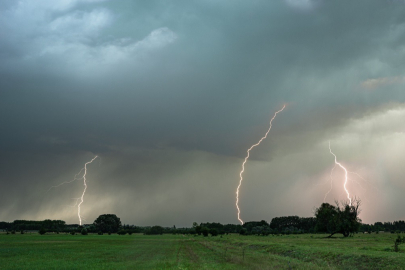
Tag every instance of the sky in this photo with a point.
(170, 95)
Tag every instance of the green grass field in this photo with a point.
(61, 251)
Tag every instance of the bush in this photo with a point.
(109, 233)
(397, 242)
(72, 232)
(42, 231)
(100, 233)
(22, 231)
(84, 231)
(122, 232)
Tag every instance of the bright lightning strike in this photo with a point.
(246, 158)
(81, 199)
(346, 178)
(85, 187)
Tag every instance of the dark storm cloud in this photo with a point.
(145, 78)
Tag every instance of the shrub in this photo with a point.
(100, 233)
(72, 232)
(396, 247)
(22, 231)
(122, 232)
(84, 231)
(12, 232)
(397, 242)
(42, 231)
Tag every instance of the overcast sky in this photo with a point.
(171, 94)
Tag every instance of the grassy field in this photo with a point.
(61, 251)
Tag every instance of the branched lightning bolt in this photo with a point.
(85, 187)
(346, 178)
(68, 182)
(76, 201)
(331, 183)
(78, 204)
(246, 158)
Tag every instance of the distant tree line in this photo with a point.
(294, 224)
(340, 218)
(396, 226)
(33, 225)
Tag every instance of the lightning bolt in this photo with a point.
(246, 158)
(346, 178)
(331, 183)
(85, 187)
(78, 204)
(68, 182)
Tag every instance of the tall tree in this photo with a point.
(107, 223)
(338, 219)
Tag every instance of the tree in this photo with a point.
(154, 230)
(205, 231)
(326, 218)
(198, 230)
(335, 219)
(213, 232)
(107, 223)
